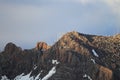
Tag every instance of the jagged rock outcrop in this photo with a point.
(14, 60)
(11, 48)
(75, 56)
(42, 46)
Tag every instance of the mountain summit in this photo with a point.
(75, 56)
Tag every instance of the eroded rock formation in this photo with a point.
(42, 46)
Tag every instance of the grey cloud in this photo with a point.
(27, 23)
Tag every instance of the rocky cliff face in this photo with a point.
(75, 56)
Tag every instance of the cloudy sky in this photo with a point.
(25, 22)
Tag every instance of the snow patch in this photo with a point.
(35, 67)
(95, 53)
(86, 76)
(93, 61)
(4, 78)
(55, 62)
(19, 77)
(24, 77)
(51, 72)
(37, 77)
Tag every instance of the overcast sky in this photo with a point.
(25, 22)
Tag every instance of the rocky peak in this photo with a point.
(117, 36)
(75, 41)
(73, 36)
(42, 46)
(10, 48)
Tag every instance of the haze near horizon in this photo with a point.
(26, 22)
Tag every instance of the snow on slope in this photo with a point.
(19, 76)
(27, 77)
(4, 78)
(37, 77)
(87, 76)
(51, 72)
(24, 77)
(95, 54)
(93, 61)
(55, 62)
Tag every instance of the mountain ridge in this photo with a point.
(75, 56)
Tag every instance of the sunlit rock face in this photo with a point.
(42, 46)
(75, 56)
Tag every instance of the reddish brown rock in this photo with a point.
(104, 74)
(42, 46)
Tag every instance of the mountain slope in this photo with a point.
(75, 56)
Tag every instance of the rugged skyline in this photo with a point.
(75, 56)
(25, 22)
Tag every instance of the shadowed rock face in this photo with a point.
(11, 48)
(14, 61)
(78, 57)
